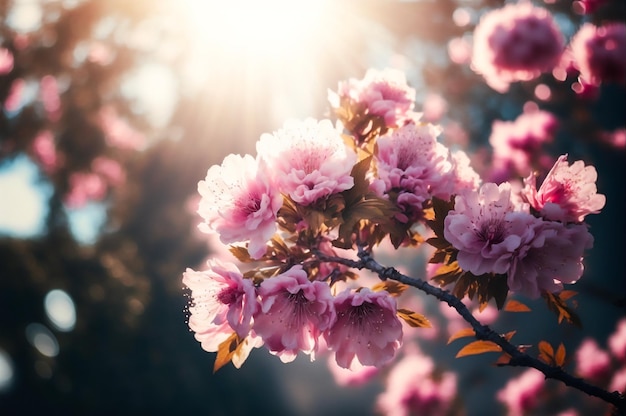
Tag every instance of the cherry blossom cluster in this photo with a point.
(318, 190)
(520, 41)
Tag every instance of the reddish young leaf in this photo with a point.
(478, 347)
(502, 360)
(557, 304)
(461, 333)
(414, 319)
(546, 352)
(516, 306)
(559, 357)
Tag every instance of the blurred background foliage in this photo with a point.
(163, 88)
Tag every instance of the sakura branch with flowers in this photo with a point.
(305, 217)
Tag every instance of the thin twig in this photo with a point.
(482, 332)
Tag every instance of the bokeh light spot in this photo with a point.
(60, 310)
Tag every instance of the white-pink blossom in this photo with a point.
(520, 394)
(568, 193)
(592, 362)
(222, 302)
(384, 93)
(487, 228)
(600, 53)
(553, 257)
(367, 329)
(517, 42)
(309, 160)
(6, 61)
(240, 203)
(413, 390)
(293, 314)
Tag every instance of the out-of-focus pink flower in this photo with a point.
(44, 150)
(84, 187)
(6, 61)
(618, 382)
(14, 100)
(384, 93)
(412, 390)
(600, 53)
(587, 6)
(520, 394)
(517, 145)
(487, 230)
(355, 376)
(309, 159)
(110, 169)
(239, 203)
(553, 257)
(568, 193)
(294, 312)
(516, 43)
(455, 134)
(367, 329)
(435, 107)
(119, 133)
(222, 302)
(411, 161)
(460, 51)
(49, 95)
(592, 362)
(617, 341)
(464, 177)
(616, 138)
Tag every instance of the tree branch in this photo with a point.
(482, 332)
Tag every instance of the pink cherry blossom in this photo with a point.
(84, 187)
(617, 341)
(6, 61)
(464, 177)
(600, 53)
(460, 51)
(222, 302)
(592, 362)
(293, 314)
(367, 329)
(309, 159)
(411, 162)
(44, 150)
(515, 43)
(553, 257)
(357, 375)
(435, 107)
(568, 193)
(487, 229)
(239, 203)
(383, 92)
(15, 97)
(517, 145)
(49, 95)
(520, 394)
(412, 390)
(587, 6)
(118, 132)
(109, 169)
(618, 382)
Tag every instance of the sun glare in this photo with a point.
(248, 27)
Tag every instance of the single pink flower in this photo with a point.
(222, 302)
(84, 187)
(49, 95)
(109, 169)
(554, 256)
(618, 382)
(520, 394)
(487, 228)
(516, 43)
(568, 193)
(44, 150)
(592, 362)
(293, 314)
(383, 92)
(239, 203)
(412, 390)
(617, 341)
(367, 329)
(6, 61)
(309, 160)
(600, 53)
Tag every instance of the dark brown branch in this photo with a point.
(482, 332)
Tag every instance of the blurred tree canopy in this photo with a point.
(76, 73)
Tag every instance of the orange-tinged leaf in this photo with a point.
(241, 253)
(557, 303)
(461, 333)
(509, 335)
(414, 319)
(546, 352)
(516, 306)
(504, 359)
(566, 294)
(478, 347)
(559, 357)
(391, 286)
(225, 351)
